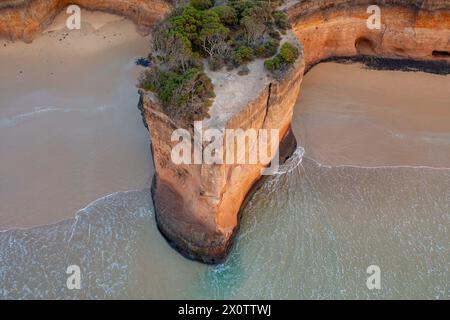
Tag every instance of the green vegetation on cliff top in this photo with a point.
(230, 34)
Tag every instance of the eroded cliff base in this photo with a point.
(191, 238)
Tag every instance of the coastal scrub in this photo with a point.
(230, 34)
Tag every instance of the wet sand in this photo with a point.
(70, 130)
(348, 115)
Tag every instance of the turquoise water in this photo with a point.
(310, 233)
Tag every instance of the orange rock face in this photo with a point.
(197, 205)
(25, 19)
(406, 31)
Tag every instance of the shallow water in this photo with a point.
(310, 232)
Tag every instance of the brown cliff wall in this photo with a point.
(197, 206)
(25, 19)
(410, 29)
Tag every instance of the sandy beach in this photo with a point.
(348, 115)
(70, 131)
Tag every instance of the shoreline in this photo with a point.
(350, 115)
(390, 64)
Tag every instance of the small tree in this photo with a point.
(188, 23)
(173, 48)
(254, 29)
(227, 15)
(281, 20)
(213, 34)
(288, 53)
(243, 55)
(201, 4)
(191, 96)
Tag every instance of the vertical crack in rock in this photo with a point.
(267, 105)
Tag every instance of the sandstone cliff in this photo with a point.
(198, 205)
(410, 29)
(25, 19)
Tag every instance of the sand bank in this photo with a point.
(70, 131)
(348, 115)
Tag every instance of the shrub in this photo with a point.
(227, 15)
(201, 4)
(243, 55)
(274, 34)
(289, 53)
(271, 47)
(281, 20)
(273, 64)
(268, 49)
(215, 63)
(184, 96)
(260, 51)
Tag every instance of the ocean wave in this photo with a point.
(14, 120)
(292, 163)
(101, 239)
(329, 166)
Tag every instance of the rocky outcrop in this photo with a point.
(25, 19)
(198, 205)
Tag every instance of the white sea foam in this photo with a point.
(292, 163)
(100, 239)
(37, 111)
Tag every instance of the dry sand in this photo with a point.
(347, 115)
(70, 131)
